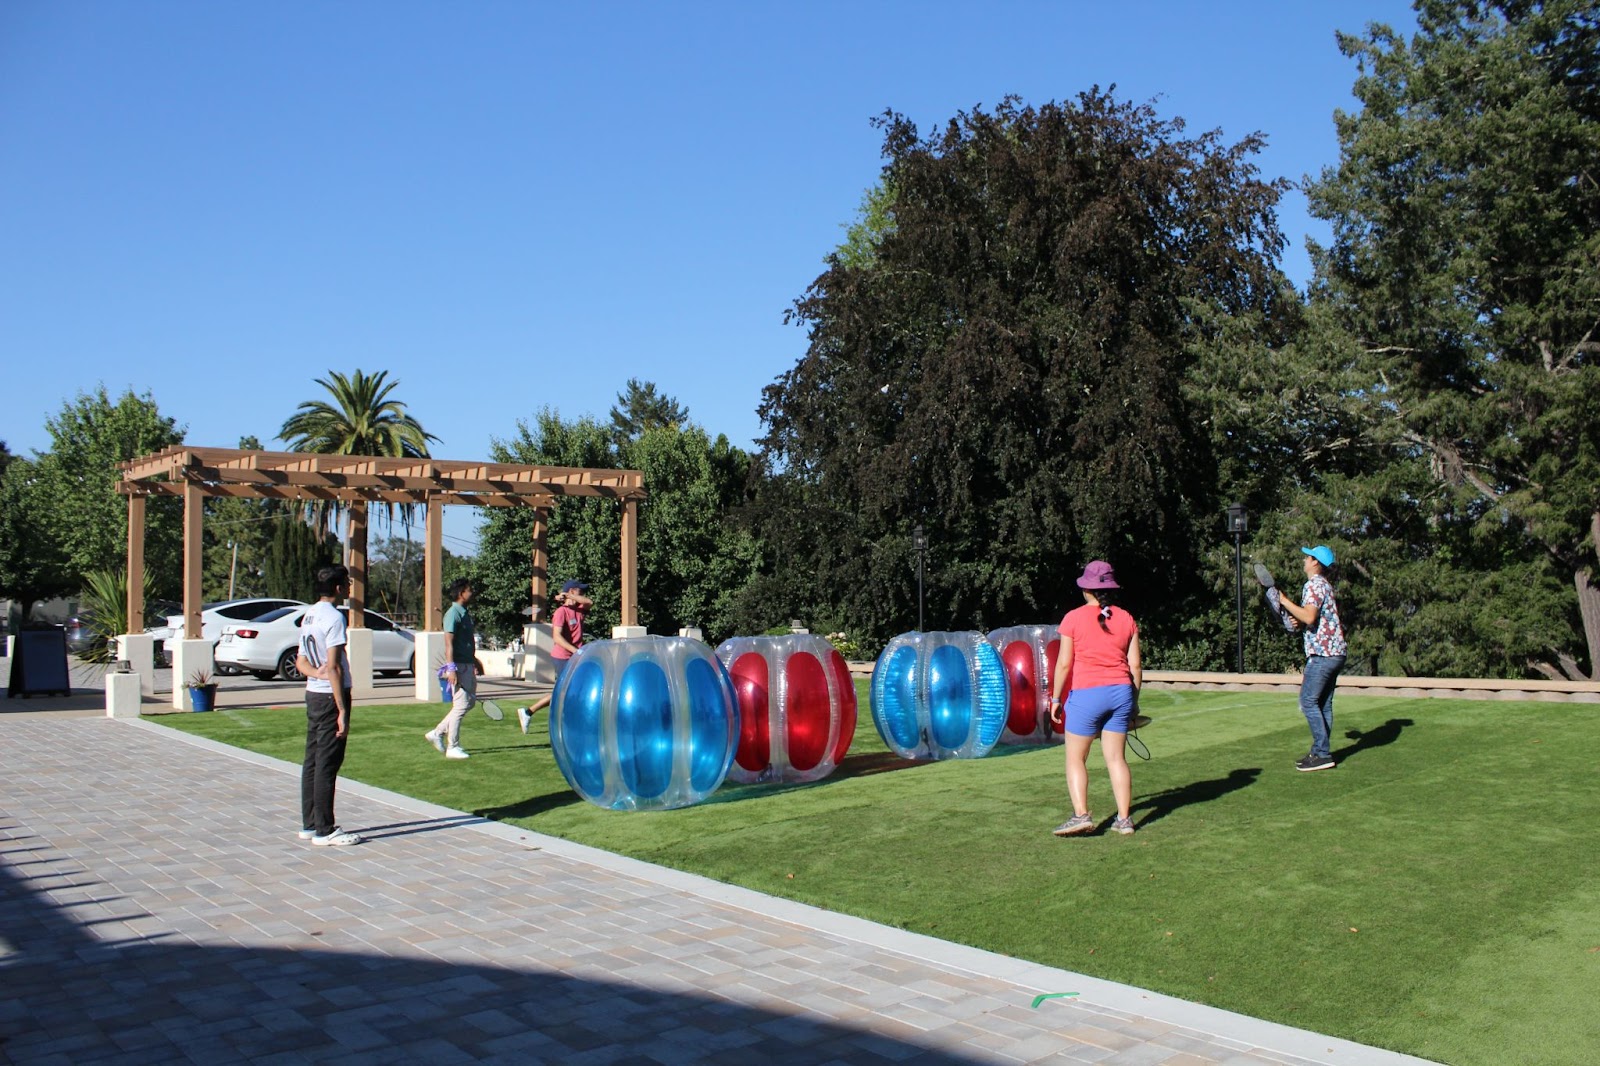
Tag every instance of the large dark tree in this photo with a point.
(998, 355)
(1466, 257)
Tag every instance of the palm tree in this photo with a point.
(361, 420)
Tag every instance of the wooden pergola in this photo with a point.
(354, 482)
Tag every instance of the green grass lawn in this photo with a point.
(1435, 894)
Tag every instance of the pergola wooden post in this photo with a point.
(193, 561)
(360, 481)
(539, 565)
(432, 566)
(135, 564)
(358, 564)
(630, 562)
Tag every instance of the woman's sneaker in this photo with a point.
(1078, 823)
(1123, 826)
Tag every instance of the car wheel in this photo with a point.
(286, 666)
(388, 673)
(263, 675)
(411, 666)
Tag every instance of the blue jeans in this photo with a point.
(1316, 698)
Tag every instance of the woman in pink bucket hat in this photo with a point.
(1098, 665)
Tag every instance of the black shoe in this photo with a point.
(1315, 762)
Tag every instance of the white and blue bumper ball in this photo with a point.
(939, 696)
(648, 723)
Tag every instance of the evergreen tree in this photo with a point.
(640, 407)
(1466, 259)
(295, 555)
(1000, 358)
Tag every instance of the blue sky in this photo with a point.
(517, 205)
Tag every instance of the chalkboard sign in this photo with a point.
(39, 664)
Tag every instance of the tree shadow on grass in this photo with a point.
(1161, 804)
(1387, 733)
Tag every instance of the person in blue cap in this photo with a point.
(1325, 646)
(566, 630)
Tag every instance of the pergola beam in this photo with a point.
(232, 466)
(309, 492)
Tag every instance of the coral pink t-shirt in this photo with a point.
(569, 623)
(1099, 657)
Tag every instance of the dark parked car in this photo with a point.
(81, 637)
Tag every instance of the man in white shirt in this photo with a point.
(327, 670)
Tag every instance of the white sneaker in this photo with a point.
(336, 839)
(436, 740)
(456, 753)
(524, 716)
(307, 834)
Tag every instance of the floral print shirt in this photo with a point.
(1327, 636)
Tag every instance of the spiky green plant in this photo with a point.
(103, 603)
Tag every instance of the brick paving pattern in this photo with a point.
(156, 906)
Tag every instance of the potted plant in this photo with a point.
(202, 691)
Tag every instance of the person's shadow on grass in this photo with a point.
(1161, 804)
(1387, 733)
(531, 807)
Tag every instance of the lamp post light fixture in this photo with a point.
(1238, 525)
(919, 544)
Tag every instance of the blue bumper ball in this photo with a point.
(648, 723)
(939, 696)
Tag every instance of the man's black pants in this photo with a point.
(324, 756)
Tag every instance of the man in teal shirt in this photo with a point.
(459, 671)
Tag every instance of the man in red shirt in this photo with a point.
(566, 628)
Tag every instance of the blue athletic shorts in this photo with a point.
(1089, 710)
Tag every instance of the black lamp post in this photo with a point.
(1238, 525)
(919, 544)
